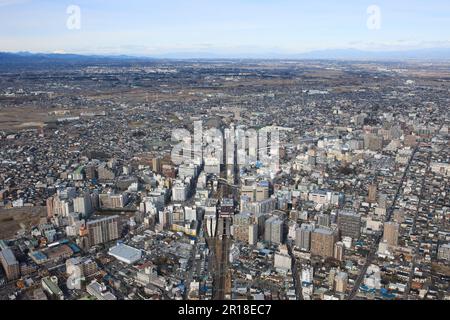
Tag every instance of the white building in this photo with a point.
(179, 192)
(307, 274)
(282, 260)
(125, 253)
(99, 291)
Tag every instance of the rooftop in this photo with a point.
(125, 253)
(8, 256)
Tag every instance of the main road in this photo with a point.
(296, 277)
(375, 244)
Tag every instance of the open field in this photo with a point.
(22, 118)
(15, 219)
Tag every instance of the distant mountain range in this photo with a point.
(339, 54)
(336, 54)
(37, 58)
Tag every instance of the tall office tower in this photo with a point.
(103, 230)
(349, 224)
(268, 228)
(156, 165)
(165, 218)
(324, 220)
(253, 234)
(211, 224)
(303, 236)
(58, 207)
(339, 251)
(211, 215)
(10, 264)
(391, 232)
(83, 204)
(322, 242)
(179, 192)
(372, 196)
(190, 213)
(331, 278)
(341, 280)
(274, 230)
(277, 234)
(241, 224)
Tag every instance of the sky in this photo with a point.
(147, 27)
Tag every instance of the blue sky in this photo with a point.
(236, 26)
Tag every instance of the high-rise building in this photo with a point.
(391, 233)
(331, 278)
(253, 234)
(165, 218)
(303, 236)
(56, 206)
(103, 230)
(10, 264)
(83, 204)
(322, 242)
(179, 192)
(349, 224)
(156, 165)
(339, 251)
(274, 230)
(211, 215)
(341, 280)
